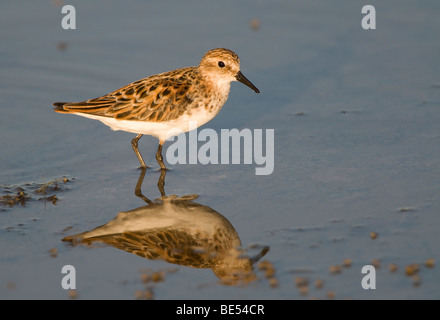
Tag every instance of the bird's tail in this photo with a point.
(59, 107)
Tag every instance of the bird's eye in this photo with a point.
(221, 64)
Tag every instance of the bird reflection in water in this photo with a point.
(179, 231)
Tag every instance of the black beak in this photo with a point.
(240, 77)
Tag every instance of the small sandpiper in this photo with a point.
(166, 104)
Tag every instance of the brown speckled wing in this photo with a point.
(177, 247)
(161, 97)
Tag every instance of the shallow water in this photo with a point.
(356, 119)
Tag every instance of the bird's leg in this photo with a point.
(160, 185)
(138, 191)
(161, 182)
(159, 157)
(134, 144)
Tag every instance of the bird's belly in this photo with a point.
(160, 130)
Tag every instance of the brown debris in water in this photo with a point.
(13, 195)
